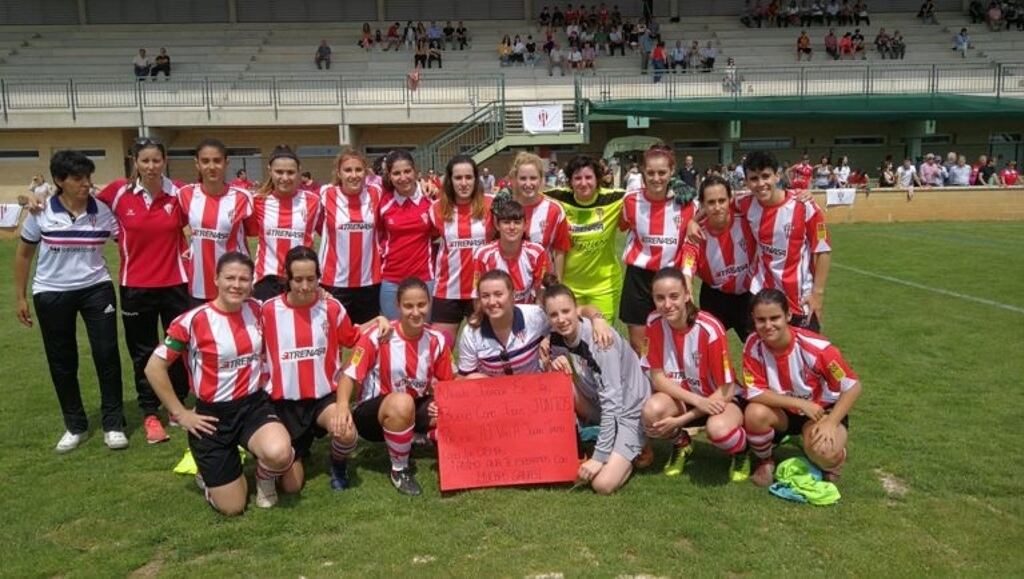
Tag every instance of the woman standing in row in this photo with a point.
(544, 218)
(525, 261)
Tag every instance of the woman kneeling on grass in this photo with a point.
(797, 383)
(609, 389)
(396, 374)
(222, 344)
(688, 357)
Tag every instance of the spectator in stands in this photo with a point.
(421, 31)
(634, 179)
(1009, 175)
(931, 172)
(556, 58)
(994, 16)
(731, 81)
(976, 11)
(366, 40)
(461, 35)
(518, 51)
(1012, 14)
(545, 17)
(976, 168)
(616, 41)
(887, 176)
(557, 18)
(860, 12)
(845, 13)
(818, 12)
(987, 175)
(40, 189)
(962, 42)
(677, 56)
(449, 35)
(897, 47)
(927, 12)
(409, 35)
(882, 40)
(791, 16)
(575, 57)
(142, 65)
(419, 58)
(487, 180)
(832, 12)
(841, 172)
(959, 173)
(949, 164)
(435, 36)
(800, 174)
(505, 51)
(323, 55)
(162, 63)
(434, 55)
(689, 174)
(846, 46)
(531, 50)
(771, 13)
(832, 44)
(659, 60)
(858, 44)
(749, 16)
(823, 177)
(906, 175)
(647, 44)
(589, 55)
(708, 54)
(392, 41)
(803, 46)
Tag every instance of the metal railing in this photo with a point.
(468, 137)
(853, 79)
(233, 92)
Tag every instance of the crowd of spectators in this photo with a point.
(808, 13)
(997, 15)
(954, 171)
(409, 37)
(144, 67)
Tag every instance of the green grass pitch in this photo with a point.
(933, 485)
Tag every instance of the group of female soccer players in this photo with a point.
(519, 282)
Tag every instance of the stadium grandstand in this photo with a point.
(244, 71)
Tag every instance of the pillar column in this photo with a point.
(730, 133)
(233, 11)
(83, 14)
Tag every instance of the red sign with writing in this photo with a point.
(513, 430)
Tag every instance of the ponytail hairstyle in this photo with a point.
(235, 257)
(711, 182)
(346, 154)
(446, 202)
(673, 273)
(661, 150)
(300, 253)
(555, 289)
(210, 143)
(522, 159)
(389, 162)
(770, 296)
(141, 144)
(279, 152)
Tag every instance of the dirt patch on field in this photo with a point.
(151, 569)
(893, 486)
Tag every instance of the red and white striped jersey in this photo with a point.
(303, 346)
(788, 235)
(217, 228)
(349, 256)
(527, 268)
(223, 350)
(698, 358)
(655, 229)
(724, 260)
(545, 224)
(399, 364)
(811, 368)
(461, 237)
(280, 223)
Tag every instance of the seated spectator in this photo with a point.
(322, 56)
(603, 15)
(435, 36)
(557, 18)
(803, 46)
(927, 12)
(987, 175)
(818, 12)
(1012, 15)
(1009, 175)
(693, 55)
(433, 55)
(831, 12)
(419, 58)
(708, 54)
(897, 48)
(976, 11)
(832, 44)
(959, 173)
(616, 41)
(994, 16)
(678, 56)
(461, 35)
(589, 55)
(449, 35)
(601, 38)
(575, 58)
(845, 13)
(962, 42)
(586, 34)
(392, 40)
(906, 175)
(771, 13)
(555, 58)
(841, 172)
(518, 51)
(572, 32)
(366, 41)
(531, 50)
(858, 44)
(545, 17)
(791, 17)
(882, 40)
(846, 46)
(505, 51)
(823, 177)
(162, 63)
(887, 177)
(750, 16)
(142, 64)
(860, 12)
(409, 35)
(616, 15)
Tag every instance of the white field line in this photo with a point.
(929, 288)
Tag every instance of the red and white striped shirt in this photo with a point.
(217, 228)
(527, 268)
(655, 229)
(545, 224)
(399, 364)
(811, 368)
(724, 260)
(698, 358)
(461, 237)
(349, 256)
(223, 350)
(280, 223)
(405, 236)
(303, 346)
(788, 235)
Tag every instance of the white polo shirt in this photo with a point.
(71, 249)
(480, 351)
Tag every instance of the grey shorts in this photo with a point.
(629, 437)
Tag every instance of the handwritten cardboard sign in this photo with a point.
(513, 430)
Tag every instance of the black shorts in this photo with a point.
(361, 303)
(299, 417)
(702, 421)
(636, 302)
(797, 422)
(445, 311)
(270, 286)
(216, 454)
(804, 50)
(730, 309)
(365, 417)
(806, 322)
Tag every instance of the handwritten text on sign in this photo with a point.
(511, 430)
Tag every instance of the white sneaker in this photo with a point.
(115, 440)
(69, 442)
(266, 493)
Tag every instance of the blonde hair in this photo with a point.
(279, 152)
(344, 155)
(522, 159)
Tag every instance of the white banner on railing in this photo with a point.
(844, 196)
(542, 119)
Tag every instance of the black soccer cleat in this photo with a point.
(405, 482)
